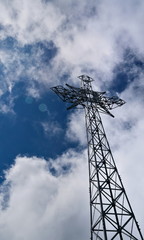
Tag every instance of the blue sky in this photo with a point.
(43, 155)
(22, 131)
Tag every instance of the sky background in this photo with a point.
(43, 155)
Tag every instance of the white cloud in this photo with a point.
(51, 128)
(43, 206)
(30, 21)
(98, 42)
(76, 127)
(89, 36)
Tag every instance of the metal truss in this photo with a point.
(111, 214)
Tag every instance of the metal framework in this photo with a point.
(111, 215)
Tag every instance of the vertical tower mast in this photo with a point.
(111, 215)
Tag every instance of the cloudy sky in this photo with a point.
(43, 156)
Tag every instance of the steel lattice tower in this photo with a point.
(111, 215)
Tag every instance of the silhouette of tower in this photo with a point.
(111, 215)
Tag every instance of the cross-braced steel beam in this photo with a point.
(111, 214)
